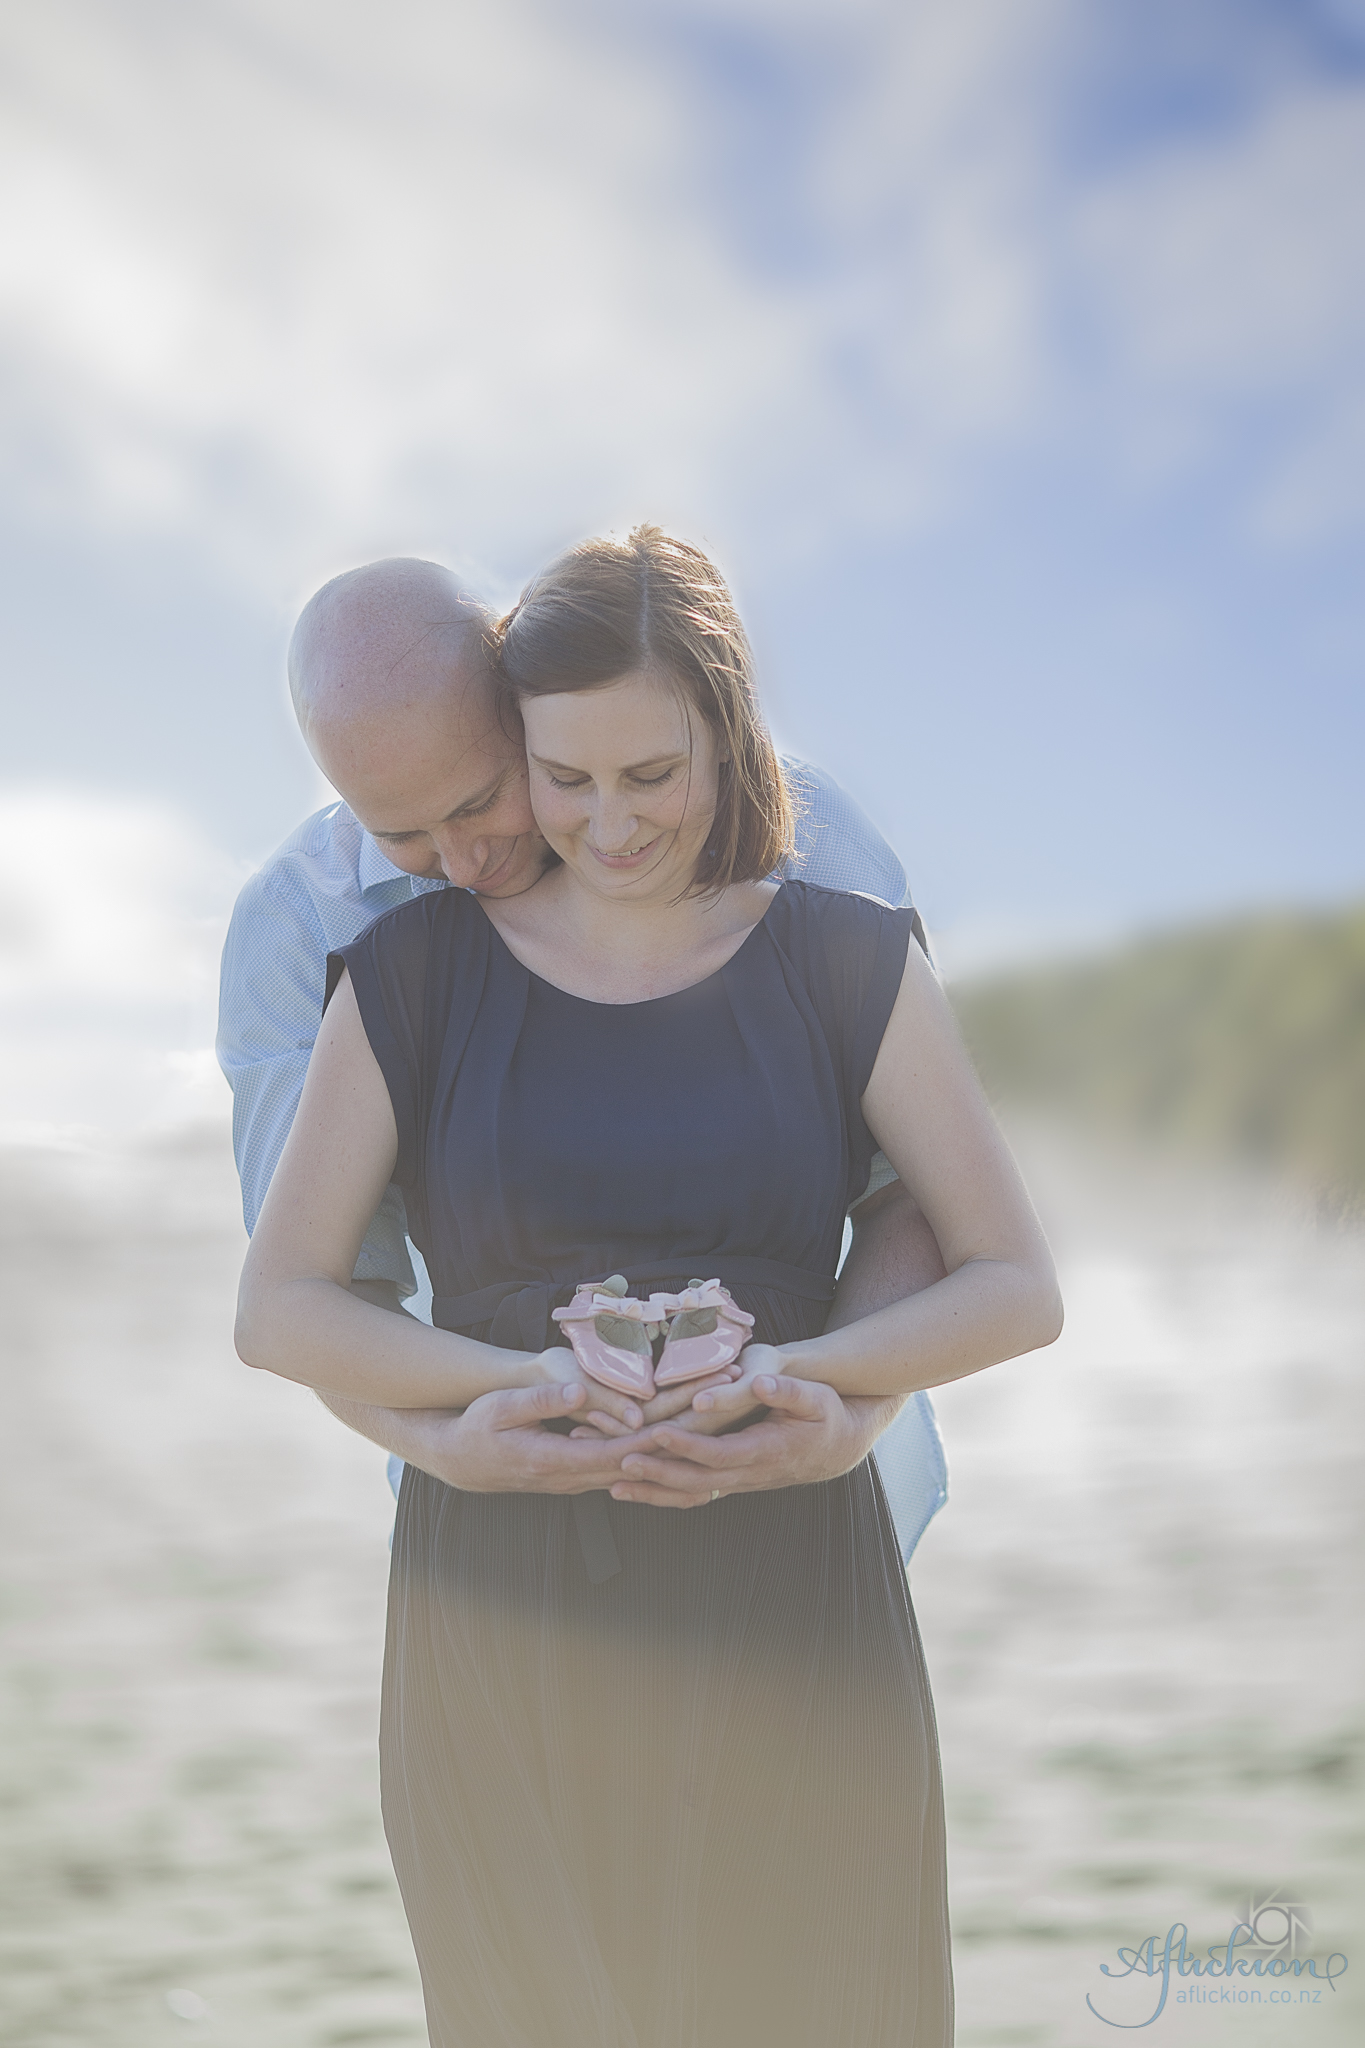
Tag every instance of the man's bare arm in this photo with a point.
(894, 1253)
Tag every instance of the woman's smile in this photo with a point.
(628, 858)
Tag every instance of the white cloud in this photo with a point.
(340, 272)
(1231, 276)
(938, 175)
(1241, 260)
(333, 280)
(364, 261)
(112, 918)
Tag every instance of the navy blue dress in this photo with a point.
(651, 1779)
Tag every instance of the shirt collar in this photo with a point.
(376, 871)
(375, 868)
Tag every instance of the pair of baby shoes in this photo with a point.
(613, 1335)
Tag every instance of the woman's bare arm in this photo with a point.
(296, 1314)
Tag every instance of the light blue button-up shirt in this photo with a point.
(326, 884)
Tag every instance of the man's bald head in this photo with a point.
(380, 640)
(398, 707)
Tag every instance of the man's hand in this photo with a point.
(498, 1445)
(809, 1434)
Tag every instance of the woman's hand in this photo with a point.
(718, 1403)
(661, 1407)
(671, 1401)
(610, 1414)
(676, 1402)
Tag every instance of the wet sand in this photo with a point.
(1140, 1609)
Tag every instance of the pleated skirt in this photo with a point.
(696, 1805)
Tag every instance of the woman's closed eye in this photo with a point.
(640, 781)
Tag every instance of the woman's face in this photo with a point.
(623, 785)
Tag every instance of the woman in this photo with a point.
(651, 1780)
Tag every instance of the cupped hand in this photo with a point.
(663, 1406)
(500, 1445)
(806, 1435)
(611, 1414)
(671, 1402)
(718, 1408)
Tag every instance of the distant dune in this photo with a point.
(1245, 1038)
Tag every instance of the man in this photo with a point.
(397, 705)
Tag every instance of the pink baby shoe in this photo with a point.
(707, 1333)
(612, 1335)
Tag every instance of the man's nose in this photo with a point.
(463, 855)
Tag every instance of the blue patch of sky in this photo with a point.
(137, 665)
(758, 101)
(1144, 75)
(1126, 79)
(1069, 708)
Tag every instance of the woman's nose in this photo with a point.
(614, 826)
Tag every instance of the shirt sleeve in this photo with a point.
(269, 1010)
(837, 844)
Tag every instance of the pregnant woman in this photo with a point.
(650, 1779)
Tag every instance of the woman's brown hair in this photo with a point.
(609, 609)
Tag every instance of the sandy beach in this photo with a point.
(1140, 1610)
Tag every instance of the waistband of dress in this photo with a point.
(519, 1310)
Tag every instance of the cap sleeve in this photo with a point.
(850, 951)
(864, 944)
(388, 966)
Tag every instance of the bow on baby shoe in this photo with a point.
(707, 1332)
(613, 1334)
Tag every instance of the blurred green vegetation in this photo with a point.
(1243, 1039)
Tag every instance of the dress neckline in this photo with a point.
(645, 1002)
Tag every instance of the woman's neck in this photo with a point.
(611, 950)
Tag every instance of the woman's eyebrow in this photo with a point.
(634, 767)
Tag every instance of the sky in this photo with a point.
(1008, 354)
